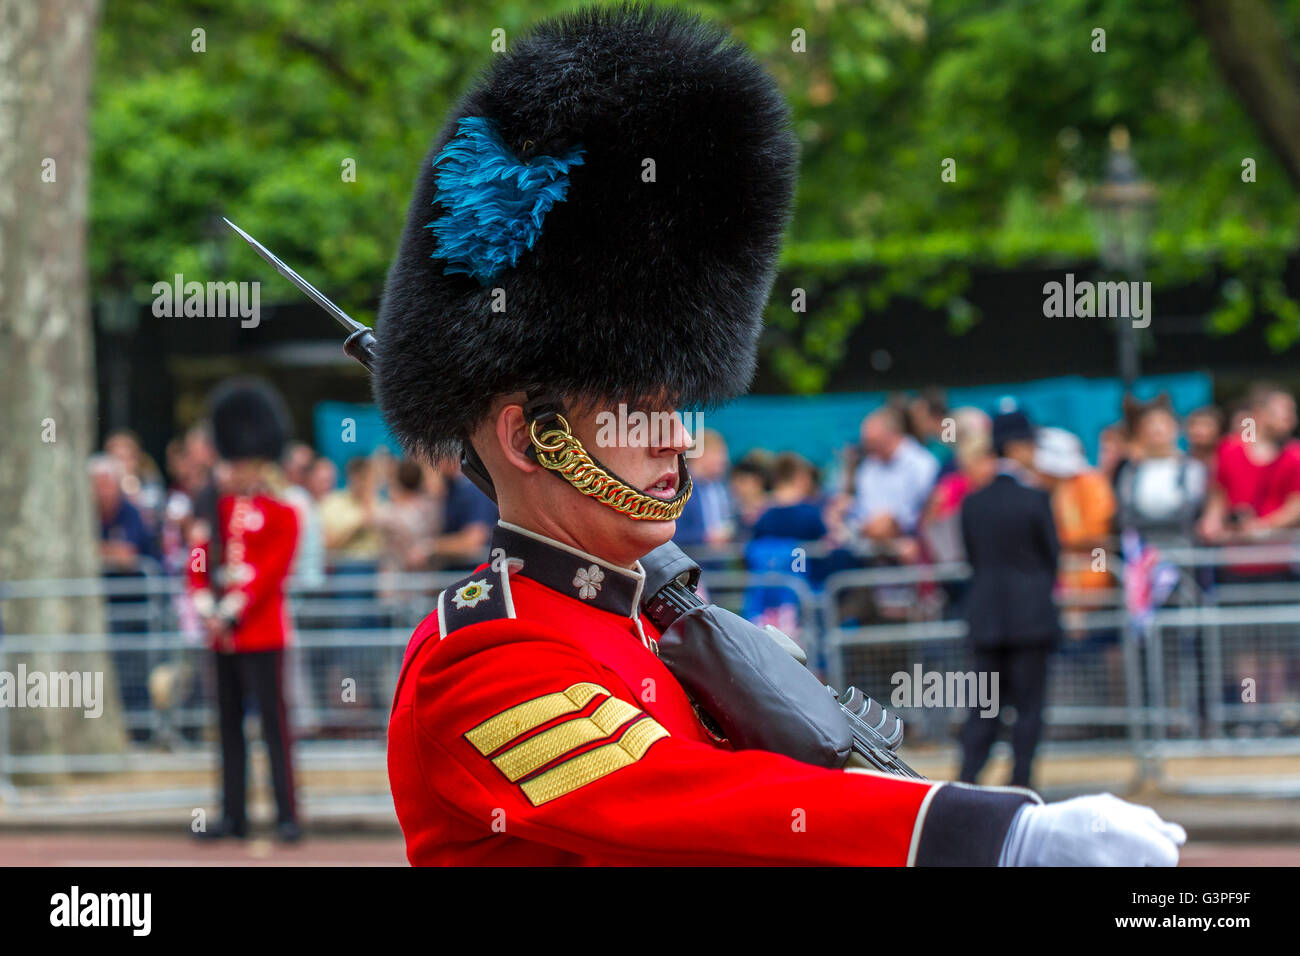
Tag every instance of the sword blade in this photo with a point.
(345, 320)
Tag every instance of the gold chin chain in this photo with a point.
(560, 452)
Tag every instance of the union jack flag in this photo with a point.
(1148, 580)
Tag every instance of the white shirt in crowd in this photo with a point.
(1164, 489)
(309, 556)
(898, 487)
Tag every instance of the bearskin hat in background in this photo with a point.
(623, 176)
(249, 420)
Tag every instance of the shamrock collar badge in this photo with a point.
(587, 581)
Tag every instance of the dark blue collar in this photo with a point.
(577, 574)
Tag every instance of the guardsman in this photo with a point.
(237, 574)
(591, 241)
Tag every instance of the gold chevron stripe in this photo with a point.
(594, 764)
(559, 740)
(496, 732)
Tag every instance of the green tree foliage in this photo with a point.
(259, 125)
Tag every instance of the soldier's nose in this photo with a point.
(675, 438)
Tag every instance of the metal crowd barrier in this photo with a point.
(349, 636)
(1217, 670)
(1213, 672)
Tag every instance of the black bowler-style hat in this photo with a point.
(1011, 426)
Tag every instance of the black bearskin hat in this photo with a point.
(616, 185)
(249, 420)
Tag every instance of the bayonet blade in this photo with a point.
(360, 342)
(345, 320)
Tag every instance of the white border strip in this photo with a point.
(505, 589)
(920, 823)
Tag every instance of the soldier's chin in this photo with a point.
(616, 537)
(650, 534)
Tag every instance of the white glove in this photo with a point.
(1097, 830)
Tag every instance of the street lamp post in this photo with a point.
(1122, 211)
(1122, 215)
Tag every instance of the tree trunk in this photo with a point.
(1251, 51)
(47, 397)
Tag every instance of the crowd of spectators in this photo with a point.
(389, 514)
(1217, 476)
(894, 496)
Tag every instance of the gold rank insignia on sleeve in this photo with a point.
(569, 748)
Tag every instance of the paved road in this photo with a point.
(1240, 854)
(150, 849)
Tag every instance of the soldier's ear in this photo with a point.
(512, 437)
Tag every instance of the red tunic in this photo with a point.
(542, 729)
(258, 536)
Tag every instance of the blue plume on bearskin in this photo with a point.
(492, 204)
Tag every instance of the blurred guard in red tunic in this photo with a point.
(589, 248)
(237, 577)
